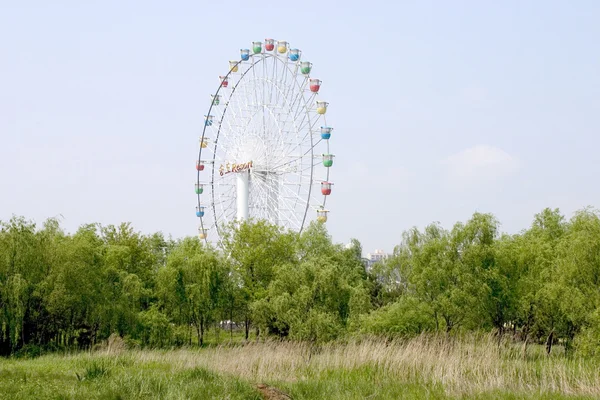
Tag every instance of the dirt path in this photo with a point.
(271, 393)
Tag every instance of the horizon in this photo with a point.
(365, 251)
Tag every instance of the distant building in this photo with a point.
(375, 257)
(378, 255)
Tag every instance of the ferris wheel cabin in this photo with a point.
(315, 85)
(322, 215)
(269, 44)
(326, 132)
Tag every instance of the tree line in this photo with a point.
(60, 290)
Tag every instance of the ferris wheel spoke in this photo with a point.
(308, 103)
(277, 124)
(307, 135)
(297, 154)
(299, 128)
(226, 208)
(288, 70)
(273, 74)
(259, 186)
(231, 105)
(311, 166)
(295, 78)
(300, 95)
(256, 97)
(284, 211)
(306, 120)
(265, 190)
(293, 160)
(280, 79)
(285, 186)
(224, 199)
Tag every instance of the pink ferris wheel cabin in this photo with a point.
(315, 85)
(269, 44)
(326, 188)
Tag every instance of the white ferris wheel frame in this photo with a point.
(266, 131)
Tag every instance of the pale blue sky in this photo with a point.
(440, 108)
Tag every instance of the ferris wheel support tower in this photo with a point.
(243, 194)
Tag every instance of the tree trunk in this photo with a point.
(570, 337)
(500, 334)
(217, 332)
(22, 333)
(231, 322)
(549, 342)
(247, 327)
(449, 324)
(201, 338)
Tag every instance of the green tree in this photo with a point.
(192, 285)
(21, 270)
(317, 298)
(537, 290)
(256, 250)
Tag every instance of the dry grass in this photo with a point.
(467, 366)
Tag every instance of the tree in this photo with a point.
(537, 290)
(191, 286)
(577, 274)
(256, 250)
(438, 278)
(21, 269)
(316, 298)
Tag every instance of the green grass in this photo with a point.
(422, 368)
(101, 377)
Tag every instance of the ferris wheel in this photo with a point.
(264, 151)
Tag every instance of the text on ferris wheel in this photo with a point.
(227, 168)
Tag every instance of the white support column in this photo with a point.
(242, 195)
(274, 197)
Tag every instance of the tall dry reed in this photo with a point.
(472, 364)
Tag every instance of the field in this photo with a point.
(420, 368)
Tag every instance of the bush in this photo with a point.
(157, 330)
(587, 343)
(317, 326)
(405, 317)
(29, 351)
(94, 369)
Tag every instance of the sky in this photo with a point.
(440, 109)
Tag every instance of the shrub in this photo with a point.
(405, 317)
(587, 342)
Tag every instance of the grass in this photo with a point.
(121, 377)
(424, 367)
